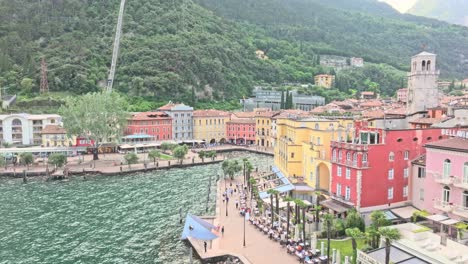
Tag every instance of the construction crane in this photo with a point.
(115, 52)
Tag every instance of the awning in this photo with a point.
(126, 146)
(307, 202)
(437, 217)
(389, 215)
(449, 221)
(198, 228)
(334, 205)
(404, 212)
(138, 136)
(303, 188)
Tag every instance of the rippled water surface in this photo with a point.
(118, 219)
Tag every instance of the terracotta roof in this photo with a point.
(367, 93)
(421, 160)
(167, 107)
(53, 129)
(430, 121)
(403, 90)
(210, 113)
(241, 121)
(150, 116)
(267, 114)
(371, 104)
(243, 115)
(452, 143)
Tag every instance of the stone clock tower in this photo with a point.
(422, 83)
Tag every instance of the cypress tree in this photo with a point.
(282, 100)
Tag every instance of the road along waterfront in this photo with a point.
(105, 219)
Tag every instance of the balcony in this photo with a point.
(460, 211)
(443, 206)
(460, 183)
(439, 178)
(350, 146)
(341, 199)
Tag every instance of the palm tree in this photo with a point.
(288, 199)
(390, 235)
(354, 233)
(379, 220)
(303, 206)
(371, 235)
(317, 210)
(271, 192)
(329, 221)
(154, 154)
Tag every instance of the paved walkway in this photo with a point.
(259, 248)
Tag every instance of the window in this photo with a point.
(317, 126)
(355, 157)
(340, 155)
(405, 191)
(446, 195)
(447, 168)
(348, 173)
(406, 172)
(390, 193)
(338, 189)
(421, 172)
(391, 156)
(292, 154)
(338, 171)
(318, 141)
(334, 155)
(390, 174)
(348, 156)
(406, 157)
(348, 193)
(364, 157)
(465, 172)
(421, 194)
(465, 199)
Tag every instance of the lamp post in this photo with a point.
(245, 214)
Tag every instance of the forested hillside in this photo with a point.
(453, 11)
(365, 28)
(205, 49)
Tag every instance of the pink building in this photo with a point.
(445, 189)
(402, 95)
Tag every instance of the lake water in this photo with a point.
(105, 219)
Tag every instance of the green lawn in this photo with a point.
(166, 157)
(345, 247)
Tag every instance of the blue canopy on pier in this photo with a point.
(198, 228)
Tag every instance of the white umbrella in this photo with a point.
(346, 260)
(338, 257)
(296, 232)
(313, 242)
(322, 249)
(334, 256)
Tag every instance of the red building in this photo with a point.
(372, 168)
(241, 131)
(155, 124)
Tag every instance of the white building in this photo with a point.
(25, 129)
(182, 120)
(422, 83)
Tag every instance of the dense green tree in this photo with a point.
(131, 158)
(99, 117)
(180, 152)
(26, 158)
(57, 159)
(154, 155)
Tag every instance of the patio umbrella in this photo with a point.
(338, 257)
(322, 249)
(296, 232)
(313, 242)
(346, 260)
(334, 256)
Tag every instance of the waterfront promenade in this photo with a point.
(259, 248)
(112, 164)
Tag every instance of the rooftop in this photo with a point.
(241, 121)
(53, 129)
(150, 116)
(457, 143)
(210, 113)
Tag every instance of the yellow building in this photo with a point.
(302, 149)
(56, 136)
(210, 125)
(264, 126)
(324, 80)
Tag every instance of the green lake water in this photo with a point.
(105, 219)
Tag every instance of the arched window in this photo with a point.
(364, 157)
(340, 155)
(391, 156)
(465, 172)
(465, 200)
(348, 156)
(428, 66)
(334, 155)
(355, 157)
(447, 168)
(446, 195)
(317, 126)
(423, 65)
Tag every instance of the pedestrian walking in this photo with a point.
(227, 199)
(205, 244)
(222, 231)
(237, 204)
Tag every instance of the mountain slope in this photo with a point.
(453, 11)
(389, 38)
